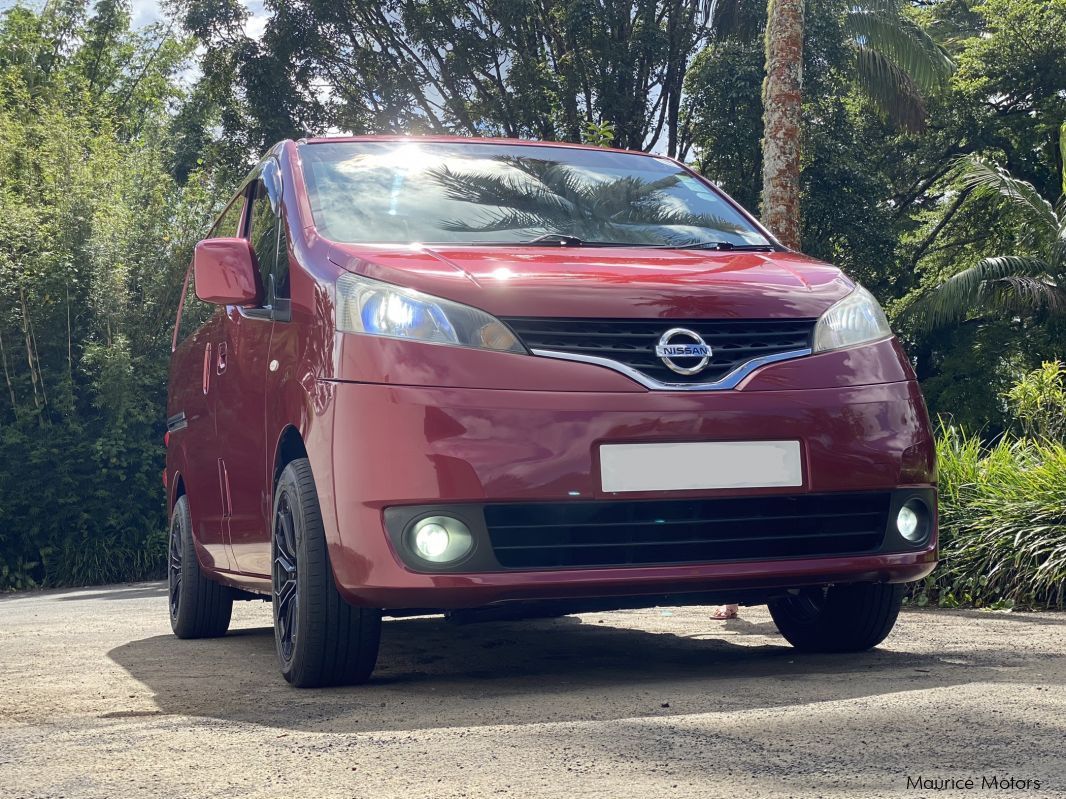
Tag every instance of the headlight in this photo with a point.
(382, 309)
(856, 319)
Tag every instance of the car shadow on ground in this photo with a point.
(435, 674)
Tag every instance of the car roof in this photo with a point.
(471, 140)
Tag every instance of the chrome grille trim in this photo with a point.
(731, 380)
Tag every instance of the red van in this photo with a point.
(497, 378)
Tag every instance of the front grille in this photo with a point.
(632, 342)
(618, 533)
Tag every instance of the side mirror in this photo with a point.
(225, 272)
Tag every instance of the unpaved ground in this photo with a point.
(97, 699)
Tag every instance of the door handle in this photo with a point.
(207, 367)
(221, 366)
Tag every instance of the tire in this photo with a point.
(320, 638)
(199, 607)
(842, 618)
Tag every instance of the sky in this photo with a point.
(145, 12)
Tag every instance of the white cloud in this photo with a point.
(144, 12)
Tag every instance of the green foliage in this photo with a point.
(1038, 401)
(723, 122)
(95, 234)
(600, 134)
(1026, 282)
(518, 68)
(1002, 523)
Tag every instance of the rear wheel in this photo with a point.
(320, 638)
(199, 607)
(841, 618)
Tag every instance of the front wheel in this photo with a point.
(841, 618)
(320, 638)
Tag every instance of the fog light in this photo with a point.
(441, 539)
(431, 541)
(912, 521)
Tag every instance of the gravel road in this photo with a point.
(99, 700)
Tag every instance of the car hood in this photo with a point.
(630, 282)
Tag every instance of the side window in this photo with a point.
(264, 236)
(194, 311)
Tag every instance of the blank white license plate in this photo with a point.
(700, 465)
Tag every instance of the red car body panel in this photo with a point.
(490, 445)
(389, 422)
(630, 282)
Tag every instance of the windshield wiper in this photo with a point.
(719, 245)
(548, 239)
(563, 240)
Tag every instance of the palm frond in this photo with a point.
(1027, 294)
(503, 220)
(983, 175)
(502, 191)
(558, 178)
(889, 88)
(1005, 283)
(665, 217)
(881, 27)
(544, 195)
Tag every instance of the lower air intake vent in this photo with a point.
(614, 533)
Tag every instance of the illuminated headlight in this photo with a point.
(382, 309)
(856, 319)
(913, 521)
(440, 539)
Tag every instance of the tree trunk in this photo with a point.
(7, 379)
(782, 109)
(27, 334)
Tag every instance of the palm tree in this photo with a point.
(894, 62)
(546, 196)
(782, 103)
(1004, 284)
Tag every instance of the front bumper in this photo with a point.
(397, 446)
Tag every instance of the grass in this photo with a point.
(1002, 523)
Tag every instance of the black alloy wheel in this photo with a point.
(174, 568)
(199, 607)
(285, 583)
(320, 638)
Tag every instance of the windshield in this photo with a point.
(464, 193)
